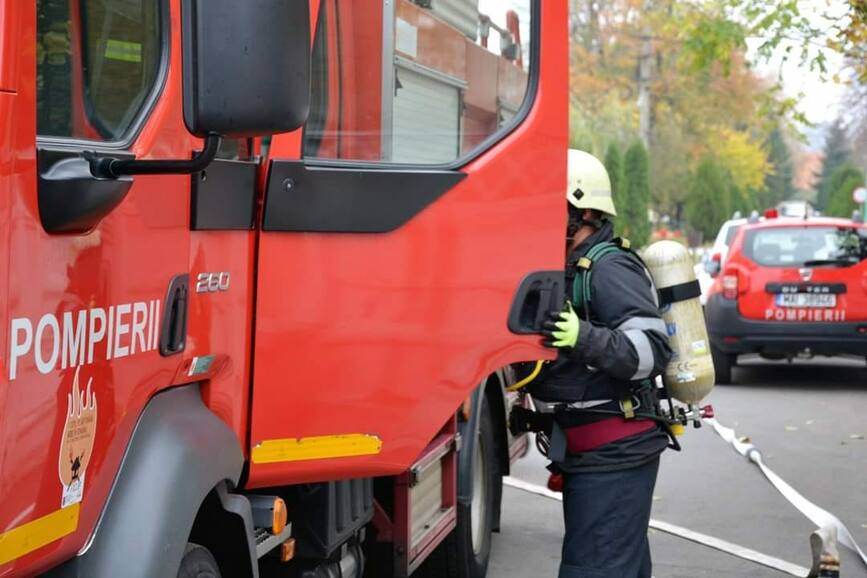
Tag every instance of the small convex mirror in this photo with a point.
(246, 66)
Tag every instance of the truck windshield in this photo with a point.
(806, 246)
(431, 87)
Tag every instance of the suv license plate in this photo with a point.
(806, 300)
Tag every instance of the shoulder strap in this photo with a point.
(581, 286)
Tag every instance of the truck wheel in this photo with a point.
(198, 562)
(722, 365)
(466, 551)
(479, 519)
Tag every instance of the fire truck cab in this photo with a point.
(264, 269)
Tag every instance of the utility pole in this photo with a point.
(644, 72)
(593, 42)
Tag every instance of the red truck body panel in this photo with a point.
(385, 335)
(129, 259)
(320, 335)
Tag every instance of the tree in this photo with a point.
(744, 159)
(836, 154)
(843, 182)
(806, 31)
(779, 184)
(614, 166)
(636, 194)
(741, 200)
(856, 120)
(709, 203)
(670, 164)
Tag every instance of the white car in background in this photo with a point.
(712, 261)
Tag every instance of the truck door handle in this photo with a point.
(173, 333)
(538, 294)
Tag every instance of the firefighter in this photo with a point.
(612, 343)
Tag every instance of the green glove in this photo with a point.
(561, 329)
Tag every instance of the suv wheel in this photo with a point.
(722, 365)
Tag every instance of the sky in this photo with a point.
(821, 99)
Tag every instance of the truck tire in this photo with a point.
(722, 365)
(467, 550)
(198, 562)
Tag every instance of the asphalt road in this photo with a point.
(808, 419)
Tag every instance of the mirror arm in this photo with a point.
(112, 168)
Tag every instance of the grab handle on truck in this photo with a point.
(538, 294)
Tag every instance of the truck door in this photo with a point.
(399, 224)
(86, 264)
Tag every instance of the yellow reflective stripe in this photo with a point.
(40, 532)
(316, 448)
(125, 51)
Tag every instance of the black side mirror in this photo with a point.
(246, 66)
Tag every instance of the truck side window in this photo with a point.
(430, 87)
(97, 63)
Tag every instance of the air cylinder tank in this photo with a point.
(689, 376)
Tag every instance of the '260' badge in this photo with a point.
(212, 282)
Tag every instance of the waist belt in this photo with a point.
(584, 429)
(583, 438)
(590, 424)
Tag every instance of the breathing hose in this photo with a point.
(526, 381)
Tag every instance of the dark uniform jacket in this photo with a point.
(625, 339)
(623, 342)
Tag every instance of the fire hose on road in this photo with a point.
(823, 541)
(830, 529)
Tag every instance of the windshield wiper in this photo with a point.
(827, 262)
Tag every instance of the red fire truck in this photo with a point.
(265, 267)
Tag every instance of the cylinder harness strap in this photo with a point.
(581, 293)
(677, 293)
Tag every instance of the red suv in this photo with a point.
(790, 287)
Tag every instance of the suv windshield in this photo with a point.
(806, 246)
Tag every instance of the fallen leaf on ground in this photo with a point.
(657, 498)
(811, 421)
(791, 428)
(856, 437)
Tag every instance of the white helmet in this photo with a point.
(588, 184)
